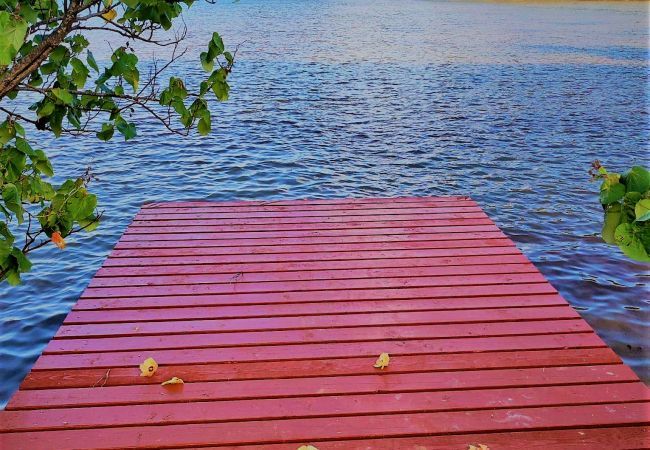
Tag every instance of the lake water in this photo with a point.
(506, 102)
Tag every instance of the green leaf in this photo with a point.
(89, 224)
(221, 90)
(12, 200)
(611, 190)
(107, 132)
(59, 55)
(82, 207)
(79, 73)
(42, 163)
(208, 65)
(28, 13)
(218, 43)
(204, 126)
(46, 108)
(637, 179)
(20, 131)
(23, 263)
(23, 146)
(56, 119)
(13, 277)
(49, 68)
(642, 210)
(92, 62)
(127, 129)
(7, 132)
(628, 239)
(12, 36)
(613, 215)
(64, 95)
(632, 197)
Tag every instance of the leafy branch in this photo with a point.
(44, 56)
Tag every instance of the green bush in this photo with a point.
(626, 202)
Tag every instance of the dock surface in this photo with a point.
(273, 313)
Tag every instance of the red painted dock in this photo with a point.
(273, 313)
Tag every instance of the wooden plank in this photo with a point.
(444, 218)
(358, 225)
(265, 277)
(479, 291)
(137, 314)
(312, 248)
(312, 266)
(322, 256)
(277, 213)
(235, 287)
(316, 296)
(617, 438)
(309, 240)
(395, 230)
(326, 207)
(329, 202)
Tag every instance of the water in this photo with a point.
(506, 102)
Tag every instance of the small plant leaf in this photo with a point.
(382, 361)
(148, 367)
(173, 380)
(642, 210)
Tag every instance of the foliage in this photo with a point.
(626, 201)
(45, 58)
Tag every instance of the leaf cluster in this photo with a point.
(626, 201)
(44, 53)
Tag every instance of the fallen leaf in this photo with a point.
(382, 361)
(148, 367)
(57, 240)
(110, 15)
(480, 447)
(307, 447)
(173, 380)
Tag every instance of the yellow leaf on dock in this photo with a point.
(173, 380)
(148, 367)
(307, 447)
(382, 361)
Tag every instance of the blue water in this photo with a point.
(506, 102)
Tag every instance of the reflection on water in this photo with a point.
(506, 102)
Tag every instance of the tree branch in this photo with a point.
(30, 62)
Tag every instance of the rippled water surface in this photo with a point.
(506, 102)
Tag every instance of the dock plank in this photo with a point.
(274, 312)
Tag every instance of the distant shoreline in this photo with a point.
(557, 1)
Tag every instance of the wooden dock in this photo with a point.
(273, 313)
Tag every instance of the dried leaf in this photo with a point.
(173, 380)
(307, 447)
(58, 240)
(148, 367)
(382, 361)
(480, 447)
